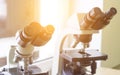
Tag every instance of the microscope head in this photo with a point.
(34, 34)
(31, 35)
(96, 19)
(91, 23)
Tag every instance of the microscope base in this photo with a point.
(13, 71)
(75, 63)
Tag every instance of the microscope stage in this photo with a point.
(74, 56)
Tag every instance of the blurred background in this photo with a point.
(15, 14)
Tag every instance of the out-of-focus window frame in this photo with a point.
(3, 17)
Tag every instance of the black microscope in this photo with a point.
(75, 61)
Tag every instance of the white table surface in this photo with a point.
(107, 71)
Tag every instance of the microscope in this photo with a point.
(30, 36)
(73, 61)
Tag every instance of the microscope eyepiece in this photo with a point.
(32, 29)
(27, 34)
(109, 15)
(43, 36)
(96, 19)
(49, 29)
(91, 18)
(111, 12)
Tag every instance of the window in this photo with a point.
(3, 15)
(53, 12)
